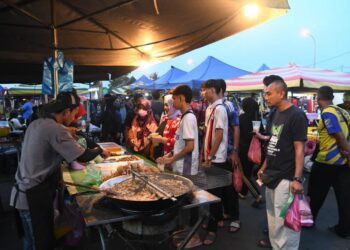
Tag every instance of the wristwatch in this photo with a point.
(298, 179)
(210, 158)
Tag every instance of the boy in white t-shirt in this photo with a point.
(185, 158)
(215, 154)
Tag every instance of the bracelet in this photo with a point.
(298, 179)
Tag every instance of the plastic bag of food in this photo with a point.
(293, 219)
(93, 176)
(307, 219)
(254, 153)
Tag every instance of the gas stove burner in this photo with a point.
(141, 228)
(156, 212)
(154, 217)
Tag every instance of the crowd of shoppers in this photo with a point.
(185, 130)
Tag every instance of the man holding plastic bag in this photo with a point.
(282, 169)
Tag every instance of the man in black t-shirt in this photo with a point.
(282, 169)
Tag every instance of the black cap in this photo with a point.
(63, 101)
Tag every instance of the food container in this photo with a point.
(4, 128)
(109, 167)
(112, 148)
(124, 158)
(161, 166)
(108, 144)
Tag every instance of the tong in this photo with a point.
(151, 184)
(97, 189)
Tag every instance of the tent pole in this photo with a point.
(55, 46)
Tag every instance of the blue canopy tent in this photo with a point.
(141, 83)
(150, 86)
(210, 68)
(144, 79)
(170, 76)
(263, 67)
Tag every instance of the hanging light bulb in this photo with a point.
(251, 10)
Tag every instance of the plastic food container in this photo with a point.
(108, 168)
(4, 128)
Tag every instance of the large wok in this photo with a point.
(159, 205)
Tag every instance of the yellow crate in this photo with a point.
(4, 131)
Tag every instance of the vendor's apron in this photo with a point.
(41, 206)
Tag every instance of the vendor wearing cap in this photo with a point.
(346, 102)
(46, 144)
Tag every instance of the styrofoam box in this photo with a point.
(108, 168)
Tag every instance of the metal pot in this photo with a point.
(150, 206)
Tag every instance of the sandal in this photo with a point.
(221, 224)
(234, 226)
(195, 241)
(264, 243)
(209, 238)
(241, 196)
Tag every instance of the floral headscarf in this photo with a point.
(172, 113)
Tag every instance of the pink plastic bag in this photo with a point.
(310, 147)
(306, 217)
(237, 178)
(254, 153)
(292, 219)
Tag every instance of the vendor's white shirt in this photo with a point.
(187, 130)
(220, 122)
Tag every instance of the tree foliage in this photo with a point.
(122, 81)
(154, 76)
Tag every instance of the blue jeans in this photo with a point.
(28, 240)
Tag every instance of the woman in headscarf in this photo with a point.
(168, 125)
(251, 113)
(142, 126)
